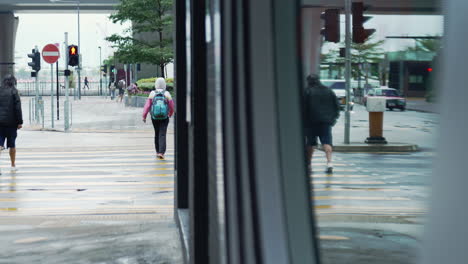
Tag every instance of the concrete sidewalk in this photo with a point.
(421, 105)
(406, 131)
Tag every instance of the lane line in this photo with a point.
(350, 182)
(94, 190)
(88, 165)
(82, 184)
(94, 160)
(360, 198)
(80, 199)
(97, 177)
(21, 171)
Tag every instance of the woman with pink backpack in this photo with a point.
(161, 107)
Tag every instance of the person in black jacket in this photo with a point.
(11, 117)
(321, 113)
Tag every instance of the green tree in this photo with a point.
(147, 16)
(368, 52)
(427, 45)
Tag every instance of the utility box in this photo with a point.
(376, 104)
(376, 107)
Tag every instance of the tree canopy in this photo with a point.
(147, 17)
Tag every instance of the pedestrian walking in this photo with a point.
(121, 87)
(321, 113)
(161, 107)
(11, 117)
(86, 82)
(112, 88)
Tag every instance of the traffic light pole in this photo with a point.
(52, 93)
(347, 70)
(67, 102)
(79, 53)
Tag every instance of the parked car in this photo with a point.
(339, 87)
(392, 96)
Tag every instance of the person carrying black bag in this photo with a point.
(11, 117)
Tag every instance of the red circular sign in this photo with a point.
(50, 53)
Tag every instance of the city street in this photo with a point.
(372, 208)
(99, 190)
(95, 195)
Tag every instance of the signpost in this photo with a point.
(51, 54)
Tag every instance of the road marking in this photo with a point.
(165, 212)
(335, 189)
(29, 240)
(97, 207)
(22, 156)
(334, 176)
(93, 160)
(79, 199)
(369, 208)
(327, 237)
(90, 165)
(350, 182)
(94, 190)
(361, 198)
(21, 171)
(84, 183)
(19, 151)
(66, 177)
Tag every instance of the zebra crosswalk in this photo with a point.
(91, 182)
(355, 190)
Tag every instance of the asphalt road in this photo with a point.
(372, 208)
(97, 196)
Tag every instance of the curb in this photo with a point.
(374, 148)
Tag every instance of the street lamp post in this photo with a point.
(100, 72)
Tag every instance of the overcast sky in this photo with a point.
(41, 29)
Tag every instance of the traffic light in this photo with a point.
(73, 57)
(35, 60)
(360, 34)
(331, 31)
(112, 69)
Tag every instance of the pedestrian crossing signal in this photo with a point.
(73, 58)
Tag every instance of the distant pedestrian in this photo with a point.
(112, 88)
(11, 117)
(161, 107)
(121, 86)
(321, 113)
(86, 83)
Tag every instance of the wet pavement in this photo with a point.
(97, 195)
(94, 195)
(372, 208)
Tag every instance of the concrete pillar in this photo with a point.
(8, 27)
(311, 40)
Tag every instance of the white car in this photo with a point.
(339, 87)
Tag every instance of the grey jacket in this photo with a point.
(321, 105)
(10, 108)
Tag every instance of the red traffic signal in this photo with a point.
(331, 31)
(429, 69)
(73, 57)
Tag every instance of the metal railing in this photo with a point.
(29, 89)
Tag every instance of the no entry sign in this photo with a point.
(50, 53)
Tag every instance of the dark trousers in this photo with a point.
(160, 130)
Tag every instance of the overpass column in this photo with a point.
(311, 40)
(8, 27)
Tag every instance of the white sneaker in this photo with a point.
(329, 168)
(13, 169)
